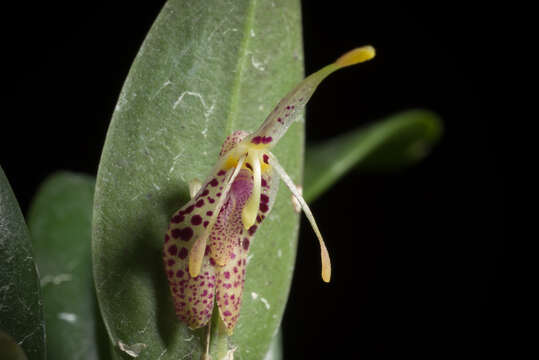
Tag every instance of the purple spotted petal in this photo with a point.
(230, 281)
(229, 227)
(232, 140)
(231, 277)
(193, 296)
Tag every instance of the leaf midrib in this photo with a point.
(240, 66)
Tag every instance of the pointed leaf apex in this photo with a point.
(356, 56)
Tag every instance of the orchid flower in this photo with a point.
(208, 239)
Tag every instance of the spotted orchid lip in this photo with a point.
(206, 245)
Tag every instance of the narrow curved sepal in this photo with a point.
(286, 112)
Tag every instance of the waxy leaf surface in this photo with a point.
(205, 70)
(21, 315)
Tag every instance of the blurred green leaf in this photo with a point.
(205, 70)
(9, 349)
(60, 223)
(20, 300)
(393, 143)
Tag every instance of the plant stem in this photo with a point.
(219, 337)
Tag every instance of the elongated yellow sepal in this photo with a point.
(356, 56)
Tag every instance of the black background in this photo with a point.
(419, 265)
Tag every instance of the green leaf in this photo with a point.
(60, 223)
(204, 70)
(20, 299)
(9, 348)
(393, 143)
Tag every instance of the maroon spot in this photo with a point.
(183, 253)
(204, 293)
(256, 140)
(227, 313)
(221, 173)
(235, 269)
(209, 213)
(264, 207)
(199, 203)
(205, 223)
(265, 158)
(252, 230)
(172, 250)
(218, 194)
(267, 140)
(167, 238)
(184, 234)
(264, 183)
(207, 252)
(205, 192)
(189, 209)
(232, 255)
(249, 166)
(179, 273)
(196, 220)
(245, 244)
(258, 219)
(227, 275)
(288, 108)
(177, 219)
(214, 182)
(280, 120)
(212, 262)
(264, 198)
(211, 200)
(171, 262)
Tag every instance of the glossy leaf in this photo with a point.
(393, 143)
(60, 223)
(204, 70)
(20, 300)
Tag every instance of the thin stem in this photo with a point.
(219, 337)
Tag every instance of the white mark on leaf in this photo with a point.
(69, 317)
(208, 110)
(256, 64)
(55, 279)
(266, 303)
(131, 350)
(165, 84)
(174, 162)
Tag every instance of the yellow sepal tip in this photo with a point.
(356, 56)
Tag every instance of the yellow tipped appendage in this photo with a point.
(356, 56)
